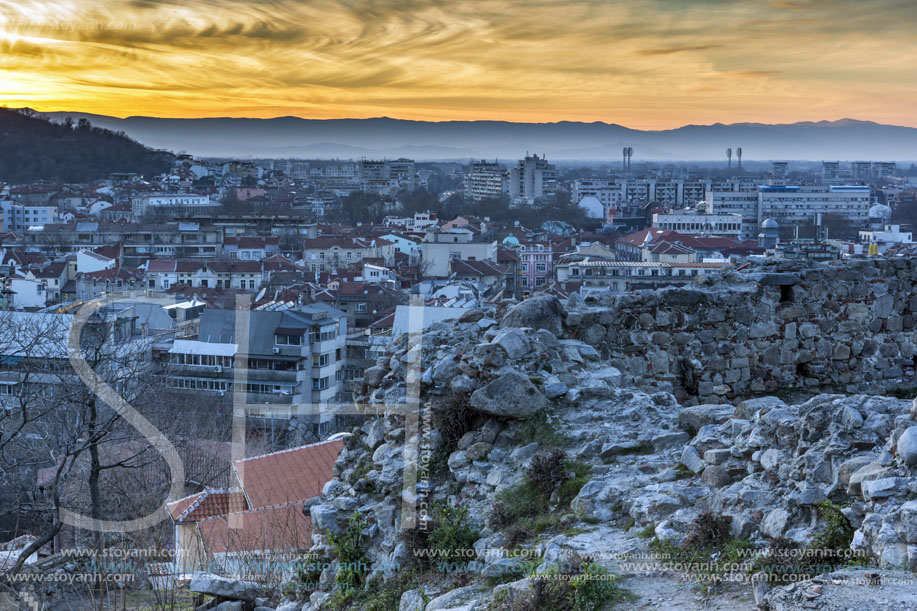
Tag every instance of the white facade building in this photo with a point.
(486, 180)
(532, 180)
(693, 222)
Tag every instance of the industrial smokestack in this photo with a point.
(729, 157)
(739, 155)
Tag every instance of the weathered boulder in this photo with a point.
(223, 587)
(697, 416)
(456, 598)
(512, 395)
(906, 448)
(514, 342)
(692, 460)
(775, 523)
(372, 377)
(538, 312)
(325, 518)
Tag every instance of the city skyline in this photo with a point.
(657, 66)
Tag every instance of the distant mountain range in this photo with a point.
(846, 139)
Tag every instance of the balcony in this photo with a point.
(271, 375)
(329, 345)
(321, 396)
(200, 371)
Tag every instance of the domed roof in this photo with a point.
(769, 224)
(510, 240)
(880, 211)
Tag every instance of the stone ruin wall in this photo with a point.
(781, 329)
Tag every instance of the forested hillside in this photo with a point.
(33, 148)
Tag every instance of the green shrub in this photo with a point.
(350, 550)
(452, 534)
(524, 507)
(647, 532)
(786, 560)
(537, 428)
(308, 571)
(708, 548)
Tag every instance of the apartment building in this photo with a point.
(696, 222)
(324, 253)
(19, 217)
(288, 363)
(602, 275)
(176, 204)
(184, 239)
(486, 180)
(247, 275)
(533, 180)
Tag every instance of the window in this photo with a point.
(361, 307)
(321, 360)
(288, 340)
(320, 384)
(541, 267)
(324, 333)
(539, 281)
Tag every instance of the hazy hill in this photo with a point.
(33, 148)
(295, 137)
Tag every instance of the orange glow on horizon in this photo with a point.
(657, 64)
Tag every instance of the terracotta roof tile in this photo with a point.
(283, 528)
(289, 476)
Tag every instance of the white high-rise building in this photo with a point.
(486, 180)
(533, 181)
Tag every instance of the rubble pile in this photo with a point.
(653, 463)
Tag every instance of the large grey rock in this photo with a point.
(697, 416)
(208, 583)
(538, 312)
(906, 448)
(868, 472)
(851, 466)
(748, 408)
(908, 522)
(692, 460)
(775, 523)
(512, 395)
(325, 518)
(884, 487)
(457, 598)
(411, 600)
(514, 343)
(372, 377)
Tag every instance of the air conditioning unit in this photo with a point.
(222, 393)
(276, 350)
(218, 369)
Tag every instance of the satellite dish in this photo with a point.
(261, 294)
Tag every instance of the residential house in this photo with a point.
(324, 253)
(251, 248)
(258, 518)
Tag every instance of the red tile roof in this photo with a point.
(207, 504)
(283, 528)
(288, 476)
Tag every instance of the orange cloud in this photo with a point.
(656, 63)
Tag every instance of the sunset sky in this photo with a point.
(641, 63)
